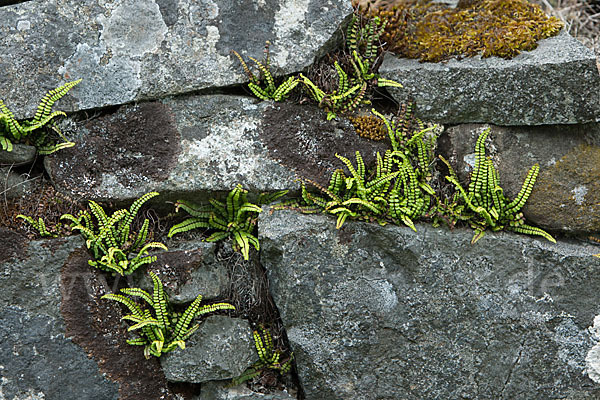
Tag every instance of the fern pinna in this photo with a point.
(30, 131)
(234, 219)
(269, 91)
(268, 357)
(486, 201)
(113, 246)
(159, 329)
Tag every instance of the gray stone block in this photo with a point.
(192, 145)
(222, 348)
(557, 83)
(38, 361)
(138, 49)
(377, 312)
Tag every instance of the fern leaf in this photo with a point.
(11, 124)
(49, 149)
(192, 209)
(187, 225)
(241, 239)
(258, 91)
(6, 144)
(139, 293)
(159, 301)
(45, 107)
(285, 88)
(532, 230)
(179, 332)
(268, 198)
(526, 189)
(381, 82)
(266, 74)
(136, 205)
(215, 237)
(130, 304)
(250, 75)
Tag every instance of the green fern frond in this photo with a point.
(532, 230)
(159, 301)
(38, 225)
(44, 109)
(526, 189)
(188, 225)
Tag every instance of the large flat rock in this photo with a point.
(566, 196)
(128, 50)
(377, 312)
(192, 145)
(557, 83)
(38, 360)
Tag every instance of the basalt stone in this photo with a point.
(39, 361)
(186, 270)
(20, 154)
(222, 390)
(222, 348)
(138, 49)
(14, 185)
(557, 83)
(377, 312)
(192, 145)
(566, 196)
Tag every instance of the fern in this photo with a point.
(159, 331)
(342, 100)
(362, 43)
(234, 219)
(490, 209)
(38, 225)
(114, 247)
(268, 357)
(30, 131)
(270, 91)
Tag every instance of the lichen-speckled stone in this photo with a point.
(127, 50)
(194, 145)
(557, 83)
(37, 361)
(222, 348)
(377, 312)
(566, 195)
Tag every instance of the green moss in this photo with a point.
(432, 32)
(554, 195)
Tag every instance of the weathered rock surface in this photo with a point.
(222, 348)
(188, 269)
(138, 49)
(14, 185)
(20, 154)
(220, 390)
(566, 195)
(192, 145)
(383, 312)
(38, 361)
(557, 83)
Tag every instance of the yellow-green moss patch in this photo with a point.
(432, 32)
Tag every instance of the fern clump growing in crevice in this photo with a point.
(234, 219)
(35, 130)
(485, 200)
(113, 246)
(268, 91)
(269, 358)
(160, 330)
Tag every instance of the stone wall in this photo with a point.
(370, 312)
